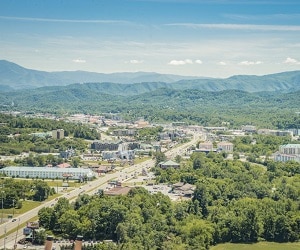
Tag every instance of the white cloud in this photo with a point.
(136, 61)
(247, 63)
(99, 21)
(79, 61)
(290, 60)
(180, 62)
(222, 63)
(198, 61)
(188, 61)
(230, 26)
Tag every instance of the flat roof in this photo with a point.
(46, 169)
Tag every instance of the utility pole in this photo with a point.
(13, 207)
(2, 192)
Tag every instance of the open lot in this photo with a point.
(258, 246)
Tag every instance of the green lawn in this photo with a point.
(26, 206)
(258, 246)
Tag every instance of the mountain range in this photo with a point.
(13, 77)
(270, 100)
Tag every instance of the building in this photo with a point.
(142, 124)
(290, 149)
(288, 152)
(58, 134)
(225, 146)
(103, 169)
(295, 131)
(47, 173)
(215, 128)
(106, 145)
(206, 145)
(184, 189)
(285, 157)
(275, 132)
(169, 164)
(42, 134)
(124, 132)
(249, 128)
(67, 153)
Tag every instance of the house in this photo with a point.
(206, 145)
(184, 189)
(169, 164)
(225, 146)
(64, 165)
(102, 169)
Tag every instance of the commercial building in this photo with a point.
(48, 172)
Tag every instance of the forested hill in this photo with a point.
(15, 77)
(162, 104)
(286, 81)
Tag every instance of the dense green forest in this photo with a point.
(194, 106)
(233, 202)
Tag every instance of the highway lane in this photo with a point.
(90, 188)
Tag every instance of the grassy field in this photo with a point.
(26, 206)
(258, 246)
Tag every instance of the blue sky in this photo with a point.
(215, 38)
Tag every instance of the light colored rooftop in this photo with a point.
(291, 146)
(48, 169)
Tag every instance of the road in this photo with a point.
(90, 188)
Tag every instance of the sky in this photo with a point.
(211, 38)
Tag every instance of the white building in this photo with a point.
(285, 157)
(288, 152)
(47, 172)
(290, 149)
